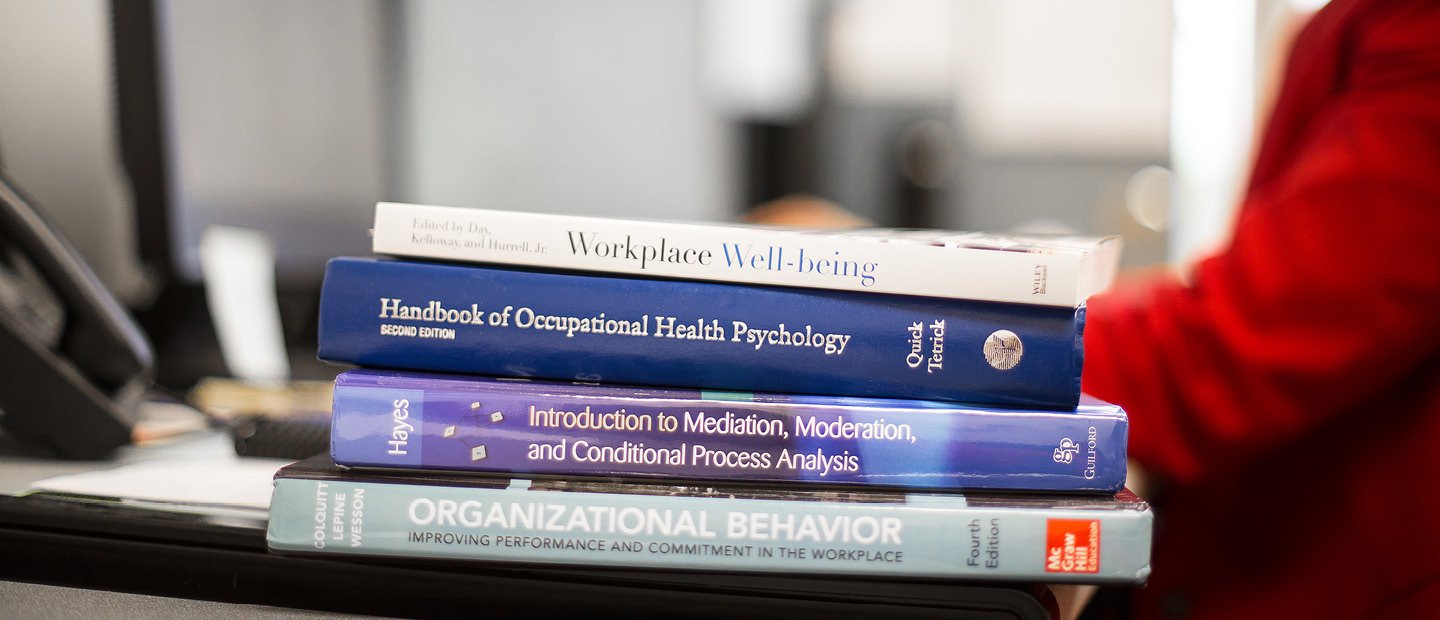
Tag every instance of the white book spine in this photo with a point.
(740, 254)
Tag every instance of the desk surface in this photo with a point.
(114, 548)
(22, 600)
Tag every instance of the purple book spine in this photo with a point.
(403, 420)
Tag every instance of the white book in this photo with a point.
(1052, 271)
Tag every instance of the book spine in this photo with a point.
(418, 316)
(917, 536)
(398, 420)
(729, 254)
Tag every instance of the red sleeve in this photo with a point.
(1329, 294)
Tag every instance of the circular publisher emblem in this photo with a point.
(1003, 350)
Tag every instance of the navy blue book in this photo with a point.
(407, 420)
(518, 323)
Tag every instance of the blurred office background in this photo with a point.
(138, 126)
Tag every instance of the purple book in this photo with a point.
(402, 420)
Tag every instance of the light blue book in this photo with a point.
(319, 508)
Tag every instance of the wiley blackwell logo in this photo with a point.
(1066, 452)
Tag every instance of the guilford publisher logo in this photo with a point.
(1066, 452)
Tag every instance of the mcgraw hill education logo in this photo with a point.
(1072, 546)
(1065, 454)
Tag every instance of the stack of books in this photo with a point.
(723, 398)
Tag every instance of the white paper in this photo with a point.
(228, 482)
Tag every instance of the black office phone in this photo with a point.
(73, 364)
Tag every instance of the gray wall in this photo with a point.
(275, 123)
(561, 106)
(295, 118)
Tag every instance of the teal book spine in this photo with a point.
(1052, 539)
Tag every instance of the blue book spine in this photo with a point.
(1086, 540)
(506, 322)
(404, 420)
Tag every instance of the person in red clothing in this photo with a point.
(1288, 395)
